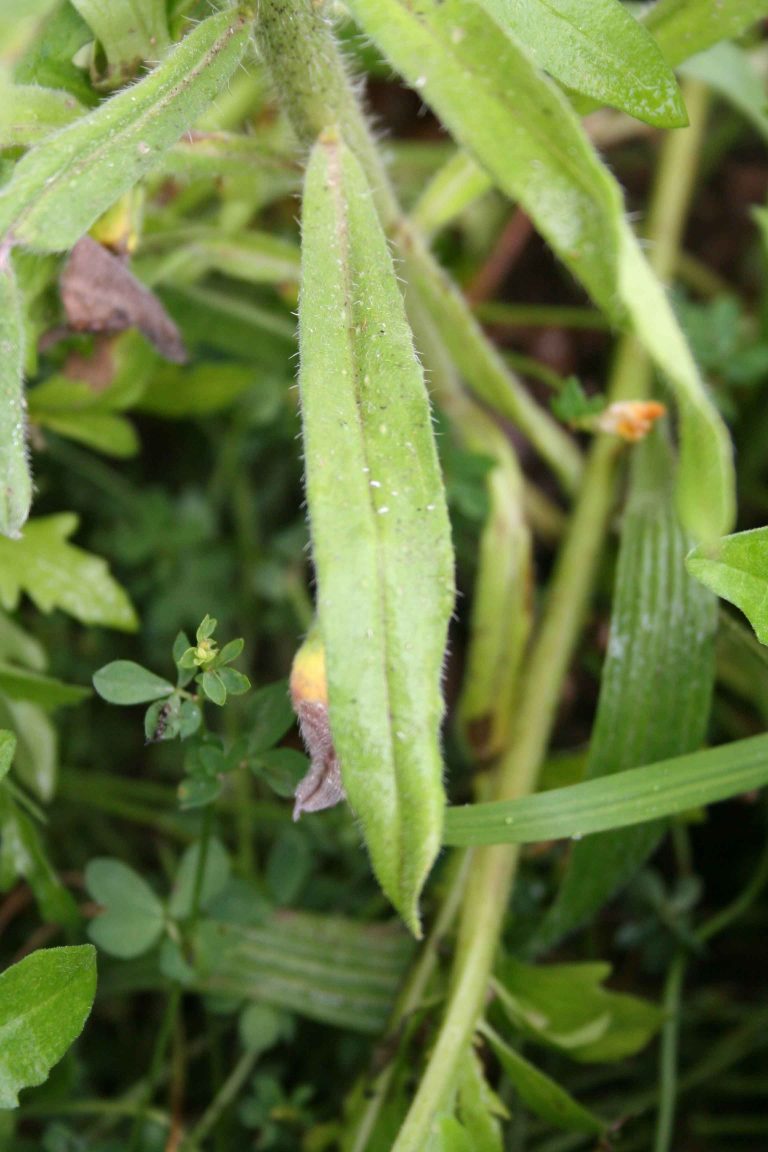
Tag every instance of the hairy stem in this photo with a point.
(317, 92)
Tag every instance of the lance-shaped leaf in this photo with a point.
(15, 478)
(60, 187)
(520, 126)
(656, 685)
(597, 49)
(380, 531)
(736, 568)
(681, 28)
(526, 135)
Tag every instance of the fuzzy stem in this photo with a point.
(317, 92)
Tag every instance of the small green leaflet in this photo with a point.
(133, 916)
(379, 525)
(736, 568)
(45, 1000)
(56, 574)
(125, 682)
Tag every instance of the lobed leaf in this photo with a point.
(598, 49)
(45, 1001)
(379, 525)
(656, 683)
(616, 801)
(56, 574)
(489, 94)
(61, 186)
(736, 568)
(540, 1093)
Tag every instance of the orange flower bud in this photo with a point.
(632, 420)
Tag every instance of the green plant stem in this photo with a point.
(670, 1033)
(493, 870)
(413, 993)
(202, 860)
(221, 1101)
(317, 92)
(167, 1026)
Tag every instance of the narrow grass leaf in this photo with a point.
(15, 476)
(7, 751)
(681, 28)
(490, 95)
(736, 568)
(597, 49)
(656, 683)
(324, 968)
(379, 525)
(616, 801)
(539, 1093)
(45, 1000)
(706, 483)
(61, 186)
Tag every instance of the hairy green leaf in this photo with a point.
(496, 103)
(656, 683)
(379, 526)
(615, 801)
(15, 476)
(56, 574)
(29, 112)
(133, 916)
(681, 28)
(736, 568)
(597, 49)
(45, 1001)
(60, 187)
